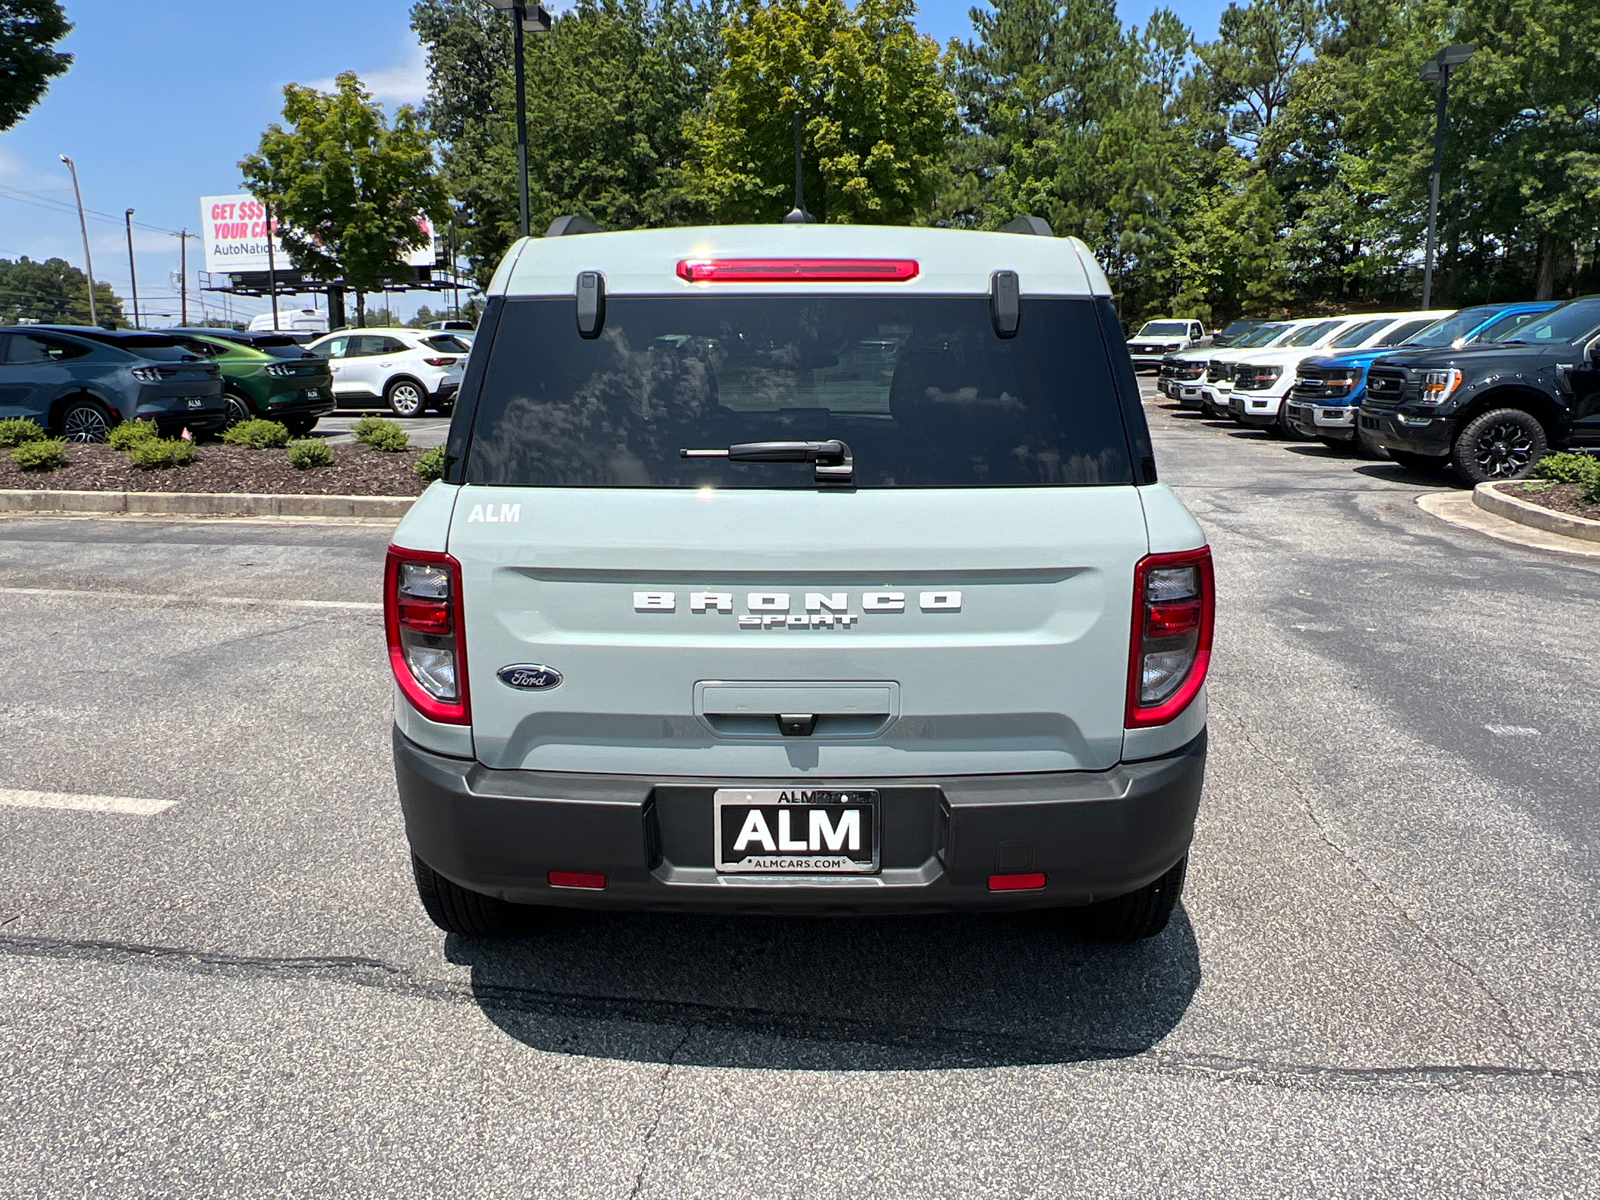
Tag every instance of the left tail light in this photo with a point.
(427, 641)
(1174, 611)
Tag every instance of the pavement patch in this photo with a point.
(133, 806)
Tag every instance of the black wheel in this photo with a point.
(405, 398)
(1422, 464)
(1503, 444)
(299, 426)
(455, 909)
(238, 409)
(85, 421)
(1138, 915)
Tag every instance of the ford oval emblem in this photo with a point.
(533, 677)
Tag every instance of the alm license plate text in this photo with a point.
(796, 830)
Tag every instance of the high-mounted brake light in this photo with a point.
(1174, 611)
(798, 270)
(427, 643)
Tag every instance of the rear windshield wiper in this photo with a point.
(831, 458)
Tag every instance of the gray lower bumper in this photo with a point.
(1093, 834)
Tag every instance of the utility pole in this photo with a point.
(133, 275)
(183, 276)
(83, 227)
(1437, 70)
(272, 269)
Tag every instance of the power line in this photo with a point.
(40, 200)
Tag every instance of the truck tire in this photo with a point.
(1422, 464)
(455, 909)
(1501, 444)
(1136, 916)
(1287, 429)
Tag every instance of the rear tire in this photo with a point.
(238, 409)
(85, 421)
(1422, 464)
(1503, 444)
(1136, 916)
(406, 398)
(456, 909)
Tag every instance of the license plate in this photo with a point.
(313, 394)
(785, 831)
(196, 402)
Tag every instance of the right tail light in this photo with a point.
(1174, 612)
(427, 643)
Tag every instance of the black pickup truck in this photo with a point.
(1491, 410)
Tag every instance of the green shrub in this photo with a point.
(381, 434)
(312, 452)
(1567, 468)
(157, 454)
(131, 433)
(42, 454)
(17, 431)
(430, 464)
(258, 434)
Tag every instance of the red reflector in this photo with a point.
(577, 879)
(1169, 620)
(428, 616)
(1016, 883)
(798, 270)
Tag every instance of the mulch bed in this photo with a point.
(357, 470)
(1562, 497)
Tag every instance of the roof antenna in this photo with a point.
(798, 214)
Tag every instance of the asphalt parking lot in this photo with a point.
(424, 432)
(1384, 978)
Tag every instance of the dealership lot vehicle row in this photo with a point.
(1381, 978)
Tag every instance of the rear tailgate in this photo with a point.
(1010, 653)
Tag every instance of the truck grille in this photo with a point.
(1311, 384)
(1182, 370)
(1250, 379)
(1217, 370)
(1386, 387)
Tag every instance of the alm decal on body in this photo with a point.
(494, 514)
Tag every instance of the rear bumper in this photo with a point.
(1093, 834)
(298, 403)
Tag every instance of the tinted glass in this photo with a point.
(1259, 336)
(1238, 328)
(1402, 333)
(1308, 335)
(1357, 334)
(387, 345)
(31, 348)
(1445, 332)
(334, 348)
(1565, 324)
(280, 347)
(1505, 327)
(1165, 329)
(203, 349)
(921, 390)
(446, 344)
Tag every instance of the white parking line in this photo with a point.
(79, 802)
(177, 598)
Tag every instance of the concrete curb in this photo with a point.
(209, 504)
(1488, 496)
(1457, 509)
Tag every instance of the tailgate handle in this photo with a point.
(798, 709)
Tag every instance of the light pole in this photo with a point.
(83, 228)
(530, 18)
(133, 277)
(1437, 70)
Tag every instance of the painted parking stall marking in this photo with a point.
(133, 806)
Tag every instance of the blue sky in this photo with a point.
(165, 97)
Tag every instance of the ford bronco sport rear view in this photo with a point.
(799, 569)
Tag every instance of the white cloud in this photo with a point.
(405, 82)
(19, 173)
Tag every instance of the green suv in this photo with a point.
(265, 375)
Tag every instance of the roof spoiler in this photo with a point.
(1035, 225)
(573, 223)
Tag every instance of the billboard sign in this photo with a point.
(236, 237)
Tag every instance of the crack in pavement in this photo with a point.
(660, 1111)
(1516, 1035)
(919, 1046)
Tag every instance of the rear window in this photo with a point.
(446, 344)
(156, 347)
(921, 390)
(1164, 329)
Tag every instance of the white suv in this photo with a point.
(409, 370)
(800, 568)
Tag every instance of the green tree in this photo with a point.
(876, 117)
(345, 188)
(609, 92)
(29, 30)
(53, 292)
